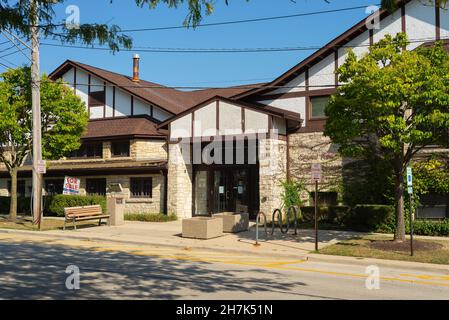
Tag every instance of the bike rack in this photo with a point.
(291, 211)
(257, 226)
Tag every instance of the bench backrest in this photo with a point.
(83, 211)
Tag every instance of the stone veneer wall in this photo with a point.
(134, 205)
(148, 149)
(180, 179)
(272, 172)
(309, 148)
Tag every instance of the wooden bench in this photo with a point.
(76, 214)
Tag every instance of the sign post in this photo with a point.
(410, 192)
(316, 176)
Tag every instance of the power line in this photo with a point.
(245, 20)
(138, 86)
(225, 50)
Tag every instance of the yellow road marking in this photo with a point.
(224, 258)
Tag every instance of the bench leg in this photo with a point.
(64, 224)
(99, 223)
(74, 224)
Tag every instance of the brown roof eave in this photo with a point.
(319, 55)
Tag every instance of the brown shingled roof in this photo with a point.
(123, 127)
(169, 99)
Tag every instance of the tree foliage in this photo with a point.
(393, 103)
(64, 118)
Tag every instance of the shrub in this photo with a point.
(373, 218)
(291, 195)
(148, 217)
(431, 228)
(54, 205)
(23, 205)
(308, 214)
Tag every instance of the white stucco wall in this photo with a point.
(255, 122)
(230, 119)
(182, 127)
(205, 121)
(420, 23)
(297, 105)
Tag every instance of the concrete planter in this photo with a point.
(234, 222)
(202, 228)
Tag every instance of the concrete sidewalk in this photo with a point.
(169, 234)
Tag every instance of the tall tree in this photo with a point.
(393, 103)
(64, 118)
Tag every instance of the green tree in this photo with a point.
(394, 103)
(393, 4)
(64, 118)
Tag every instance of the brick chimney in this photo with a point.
(136, 67)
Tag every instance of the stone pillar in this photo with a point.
(180, 186)
(107, 150)
(272, 172)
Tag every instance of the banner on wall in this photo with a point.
(71, 186)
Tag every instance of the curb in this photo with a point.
(393, 264)
(156, 244)
(310, 257)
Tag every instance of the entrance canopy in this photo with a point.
(224, 117)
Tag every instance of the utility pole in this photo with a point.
(36, 112)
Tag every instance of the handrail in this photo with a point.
(257, 226)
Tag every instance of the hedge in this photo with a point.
(430, 228)
(54, 205)
(148, 217)
(375, 218)
(23, 205)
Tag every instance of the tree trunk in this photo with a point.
(399, 204)
(13, 202)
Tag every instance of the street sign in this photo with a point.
(316, 172)
(41, 167)
(409, 177)
(71, 186)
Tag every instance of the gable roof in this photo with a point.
(358, 29)
(169, 99)
(281, 113)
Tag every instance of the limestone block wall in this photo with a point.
(180, 179)
(309, 148)
(272, 172)
(148, 149)
(155, 204)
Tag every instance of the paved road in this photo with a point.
(31, 269)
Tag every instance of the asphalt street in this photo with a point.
(37, 270)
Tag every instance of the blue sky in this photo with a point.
(211, 69)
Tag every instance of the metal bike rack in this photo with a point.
(257, 226)
(295, 221)
(281, 225)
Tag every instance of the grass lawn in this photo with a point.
(381, 247)
(26, 223)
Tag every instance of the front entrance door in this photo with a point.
(226, 189)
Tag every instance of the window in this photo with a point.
(96, 187)
(97, 99)
(20, 188)
(141, 187)
(317, 107)
(120, 148)
(55, 186)
(88, 150)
